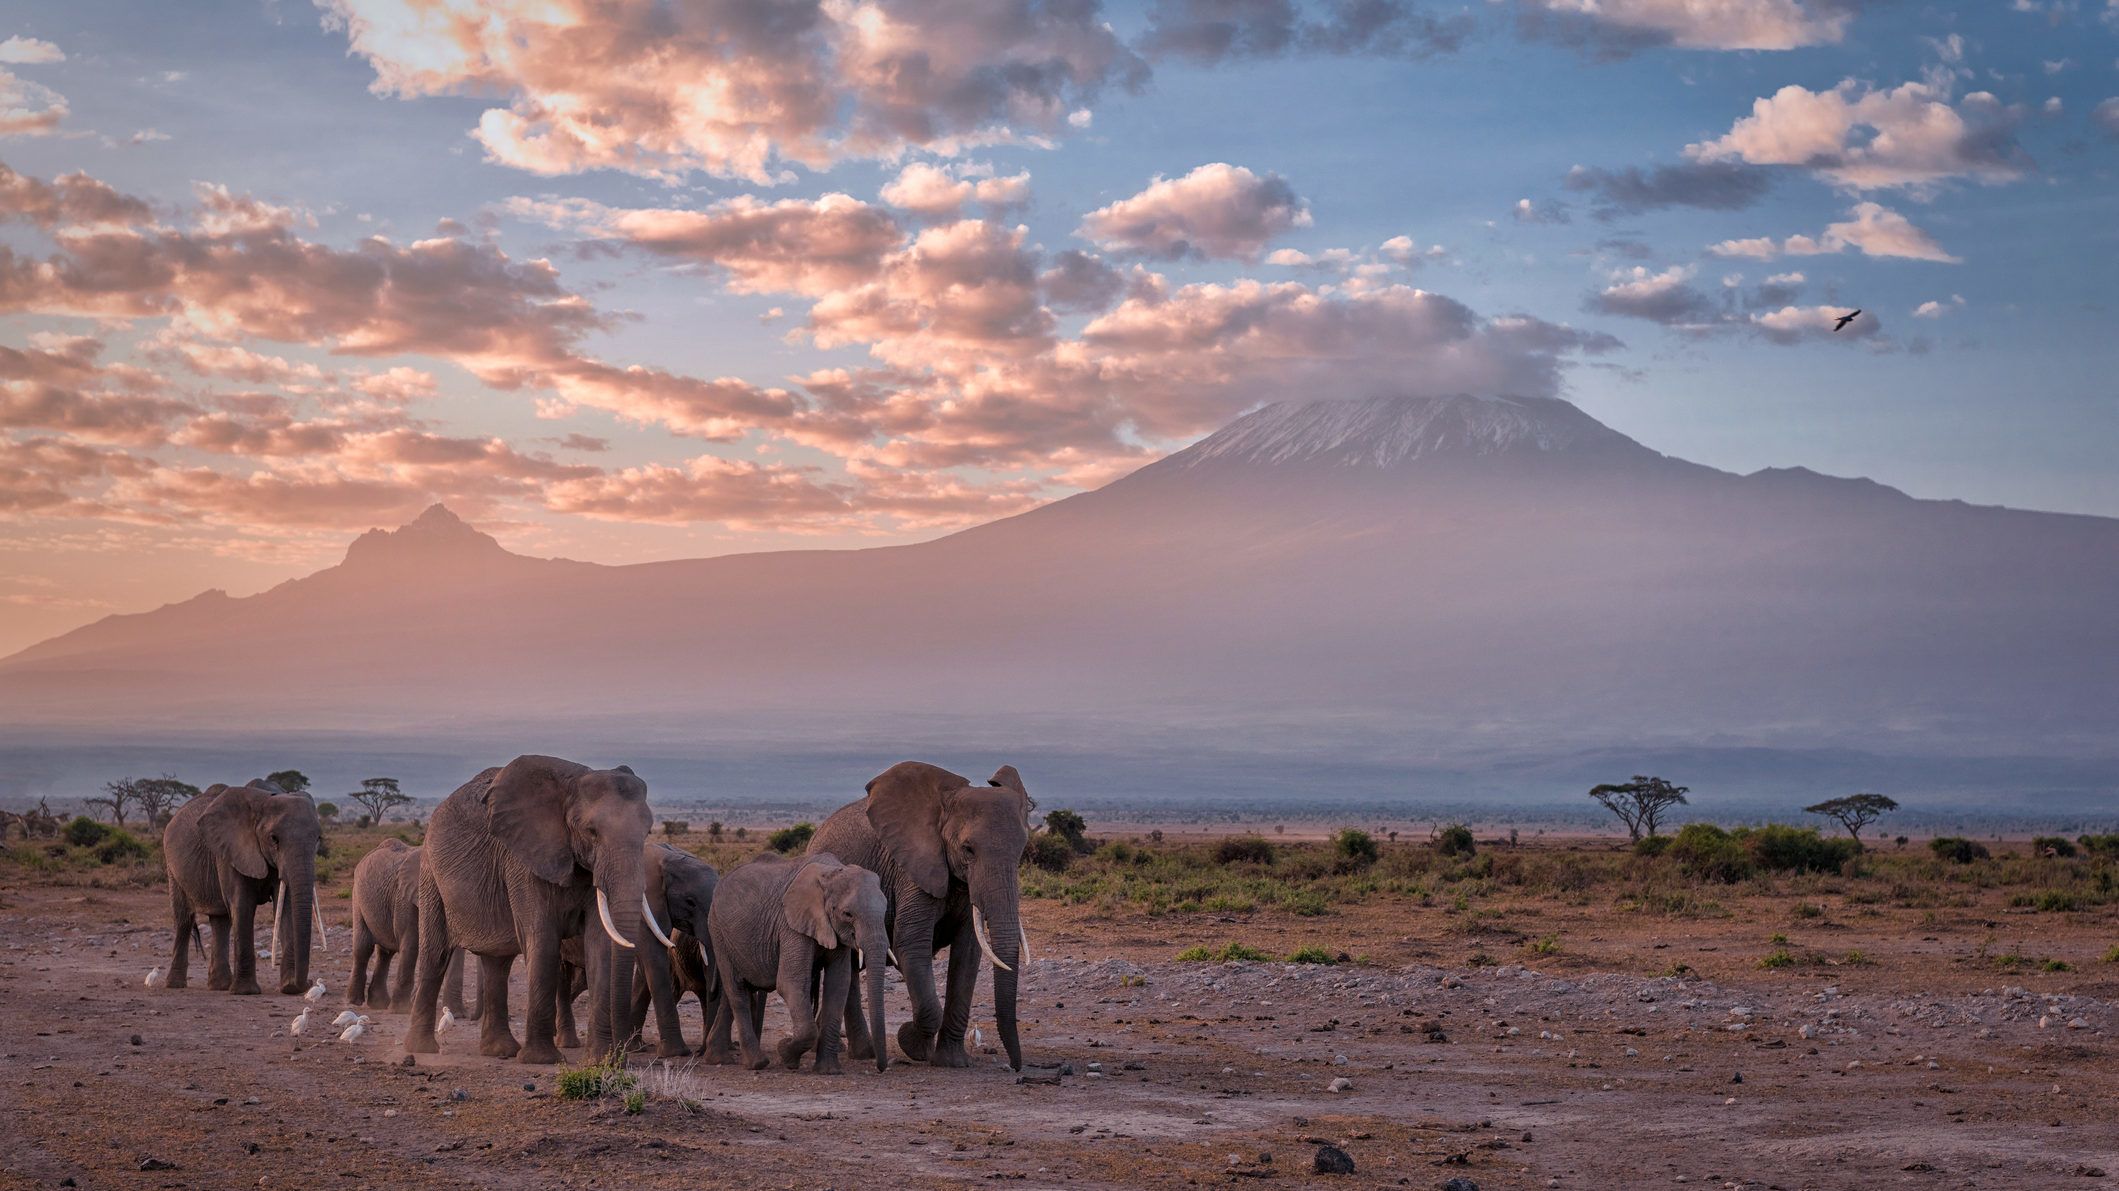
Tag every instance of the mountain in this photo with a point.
(1459, 581)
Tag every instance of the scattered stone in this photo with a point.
(459, 1095)
(2078, 1023)
(156, 1164)
(407, 1061)
(1460, 1183)
(1341, 1084)
(1737, 1078)
(1332, 1160)
(1042, 1075)
(136, 1040)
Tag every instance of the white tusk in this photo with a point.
(978, 928)
(275, 926)
(603, 911)
(894, 960)
(323, 935)
(654, 925)
(1025, 937)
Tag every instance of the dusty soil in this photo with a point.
(1919, 1065)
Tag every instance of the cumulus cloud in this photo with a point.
(804, 246)
(1617, 27)
(737, 88)
(1666, 297)
(28, 108)
(1213, 31)
(29, 51)
(941, 192)
(2106, 116)
(1936, 309)
(72, 199)
(1912, 136)
(1217, 211)
(1794, 324)
(1709, 185)
(1870, 229)
(1765, 311)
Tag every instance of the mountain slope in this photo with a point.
(1453, 575)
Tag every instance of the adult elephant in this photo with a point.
(228, 851)
(517, 859)
(386, 931)
(949, 854)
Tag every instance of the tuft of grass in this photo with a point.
(2112, 956)
(606, 1077)
(1228, 953)
(635, 1100)
(1549, 945)
(1807, 910)
(1312, 955)
(1779, 959)
(1777, 938)
(1855, 959)
(1244, 849)
(2057, 965)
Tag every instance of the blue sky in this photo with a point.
(1435, 129)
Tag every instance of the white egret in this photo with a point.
(448, 1018)
(316, 991)
(299, 1024)
(345, 1018)
(353, 1032)
(154, 976)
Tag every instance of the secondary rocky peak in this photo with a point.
(436, 535)
(1385, 432)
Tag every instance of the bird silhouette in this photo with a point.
(315, 993)
(1844, 319)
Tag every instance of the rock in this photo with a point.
(1341, 1084)
(459, 1095)
(407, 1061)
(136, 1040)
(1045, 1075)
(1460, 1183)
(2078, 1023)
(156, 1164)
(1737, 1078)
(1332, 1160)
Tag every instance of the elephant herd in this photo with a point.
(549, 861)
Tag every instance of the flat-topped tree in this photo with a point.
(294, 781)
(1854, 812)
(379, 796)
(1640, 803)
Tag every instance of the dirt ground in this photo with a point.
(1638, 1050)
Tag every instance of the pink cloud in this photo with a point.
(1217, 211)
(1911, 137)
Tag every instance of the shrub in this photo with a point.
(791, 839)
(1957, 849)
(1305, 903)
(2100, 845)
(675, 827)
(1049, 852)
(1070, 827)
(1228, 953)
(606, 1078)
(327, 811)
(120, 844)
(85, 832)
(2052, 845)
(635, 1101)
(1312, 955)
(713, 829)
(2112, 956)
(1244, 849)
(1779, 959)
(1356, 848)
(1781, 848)
(1708, 853)
(1654, 845)
(2057, 901)
(1455, 840)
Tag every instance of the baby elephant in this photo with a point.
(791, 924)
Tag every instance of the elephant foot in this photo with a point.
(861, 1049)
(718, 1056)
(176, 982)
(670, 1051)
(540, 1051)
(791, 1052)
(246, 988)
(950, 1056)
(569, 1039)
(218, 983)
(502, 1047)
(757, 1062)
(829, 1065)
(635, 1045)
(293, 988)
(418, 1043)
(916, 1044)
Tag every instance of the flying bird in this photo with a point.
(299, 1024)
(153, 974)
(315, 993)
(1844, 319)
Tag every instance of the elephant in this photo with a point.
(949, 854)
(680, 891)
(517, 859)
(228, 851)
(791, 924)
(386, 929)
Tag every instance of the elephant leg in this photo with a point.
(379, 987)
(914, 941)
(964, 958)
(859, 1046)
(838, 977)
(217, 975)
(363, 953)
(595, 955)
(180, 954)
(542, 960)
(660, 988)
(495, 1040)
(798, 966)
(452, 988)
(569, 988)
(246, 945)
(717, 1047)
(432, 959)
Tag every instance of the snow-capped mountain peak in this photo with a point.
(1383, 432)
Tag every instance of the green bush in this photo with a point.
(1708, 853)
(1356, 848)
(85, 832)
(1312, 955)
(1957, 849)
(1651, 845)
(1243, 849)
(2058, 845)
(1455, 840)
(791, 839)
(119, 844)
(2106, 845)
(1049, 852)
(607, 1078)
(1070, 827)
(1228, 953)
(1778, 847)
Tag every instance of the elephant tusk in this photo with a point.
(275, 929)
(323, 934)
(894, 960)
(1025, 937)
(603, 911)
(654, 925)
(978, 928)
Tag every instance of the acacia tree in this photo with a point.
(1641, 802)
(161, 796)
(293, 781)
(118, 797)
(1854, 812)
(379, 796)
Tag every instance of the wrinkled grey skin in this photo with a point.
(386, 928)
(514, 860)
(227, 852)
(795, 925)
(680, 889)
(941, 846)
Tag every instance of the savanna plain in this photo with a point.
(1719, 1009)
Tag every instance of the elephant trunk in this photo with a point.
(298, 908)
(874, 942)
(623, 887)
(997, 906)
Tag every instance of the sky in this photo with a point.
(680, 279)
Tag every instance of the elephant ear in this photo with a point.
(230, 827)
(1006, 778)
(526, 810)
(806, 905)
(905, 804)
